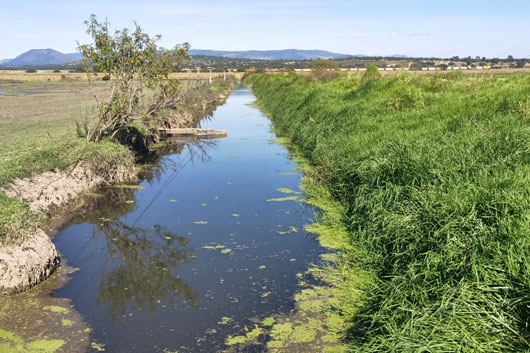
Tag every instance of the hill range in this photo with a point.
(42, 57)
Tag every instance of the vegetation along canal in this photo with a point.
(211, 243)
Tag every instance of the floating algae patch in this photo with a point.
(281, 199)
(210, 247)
(56, 309)
(36, 322)
(225, 320)
(100, 347)
(129, 201)
(251, 337)
(138, 187)
(233, 157)
(268, 321)
(288, 173)
(226, 251)
(66, 322)
(200, 222)
(280, 140)
(235, 215)
(10, 343)
(173, 200)
(287, 191)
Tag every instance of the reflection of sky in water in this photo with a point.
(199, 243)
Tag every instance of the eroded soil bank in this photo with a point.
(31, 257)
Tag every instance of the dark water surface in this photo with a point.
(200, 252)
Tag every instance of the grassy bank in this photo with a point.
(433, 176)
(38, 133)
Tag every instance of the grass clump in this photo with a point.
(433, 176)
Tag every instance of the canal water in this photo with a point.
(210, 244)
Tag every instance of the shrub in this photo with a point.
(371, 73)
(325, 70)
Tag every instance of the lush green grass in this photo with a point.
(434, 176)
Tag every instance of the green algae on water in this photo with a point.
(200, 222)
(10, 343)
(56, 309)
(66, 322)
(226, 251)
(268, 321)
(209, 247)
(281, 199)
(286, 191)
(225, 320)
(138, 187)
(100, 347)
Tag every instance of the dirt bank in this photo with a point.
(33, 258)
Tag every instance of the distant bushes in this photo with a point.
(325, 70)
(31, 71)
(435, 175)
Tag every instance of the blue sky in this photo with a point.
(371, 27)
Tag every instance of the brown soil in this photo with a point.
(48, 191)
(33, 258)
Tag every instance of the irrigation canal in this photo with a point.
(209, 245)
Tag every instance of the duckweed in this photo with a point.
(56, 309)
(281, 199)
(268, 321)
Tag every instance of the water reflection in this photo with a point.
(138, 268)
(182, 151)
(138, 265)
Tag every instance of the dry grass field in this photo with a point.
(46, 75)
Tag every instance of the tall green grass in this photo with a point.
(434, 173)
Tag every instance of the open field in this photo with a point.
(20, 75)
(433, 173)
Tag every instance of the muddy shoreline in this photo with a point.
(57, 196)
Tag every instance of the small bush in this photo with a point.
(31, 71)
(325, 70)
(371, 73)
(56, 71)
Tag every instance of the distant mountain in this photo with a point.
(4, 60)
(39, 57)
(286, 54)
